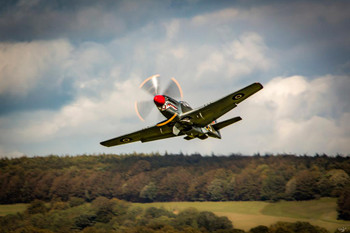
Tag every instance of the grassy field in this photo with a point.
(246, 215)
(12, 209)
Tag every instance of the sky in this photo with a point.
(70, 72)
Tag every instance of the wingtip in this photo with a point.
(103, 144)
(260, 85)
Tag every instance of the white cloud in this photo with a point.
(76, 128)
(23, 65)
(288, 115)
(237, 58)
(293, 114)
(84, 115)
(251, 48)
(314, 135)
(89, 67)
(10, 154)
(320, 96)
(216, 17)
(172, 28)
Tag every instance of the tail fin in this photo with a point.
(223, 124)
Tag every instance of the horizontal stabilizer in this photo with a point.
(223, 124)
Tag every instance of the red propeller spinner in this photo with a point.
(159, 100)
(151, 86)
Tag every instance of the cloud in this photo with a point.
(76, 21)
(321, 96)
(83, 118)
(23, 65)
(89, 67)
(217, 17)
(172, 28)
(68, 72)
(237, 58)
(31, 75)
(10, 154)
(302, 33)
(314, 135)
(289, 115)
(49, 74)
(297, 115)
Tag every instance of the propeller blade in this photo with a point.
(151, 85)
(174, 89)
(143, 108)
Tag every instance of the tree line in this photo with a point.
(104, 215)
(173, 177)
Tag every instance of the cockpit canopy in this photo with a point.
(185, 106)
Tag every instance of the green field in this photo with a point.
(246, 215)
(12, 209)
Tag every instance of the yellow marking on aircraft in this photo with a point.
(164, 123)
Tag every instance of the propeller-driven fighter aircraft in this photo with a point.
(181, 119)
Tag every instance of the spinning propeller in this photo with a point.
(152, 86)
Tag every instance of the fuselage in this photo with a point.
(173, 110)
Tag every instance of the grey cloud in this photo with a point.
(305, 35)
(50, 74)
(31, 75)
(292, 114)
(72, 102)
(42, 97)
(78, 20)
(339, 94)
(309, 36)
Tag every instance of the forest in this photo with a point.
(92, 193)
(176, 177)
(104, 215)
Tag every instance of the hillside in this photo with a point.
(150, 178)
(112, 215)
(248, 214)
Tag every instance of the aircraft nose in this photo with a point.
(159, 100)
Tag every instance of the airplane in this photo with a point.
(181, 118)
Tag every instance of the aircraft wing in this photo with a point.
(144, 135)
(212, 111)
